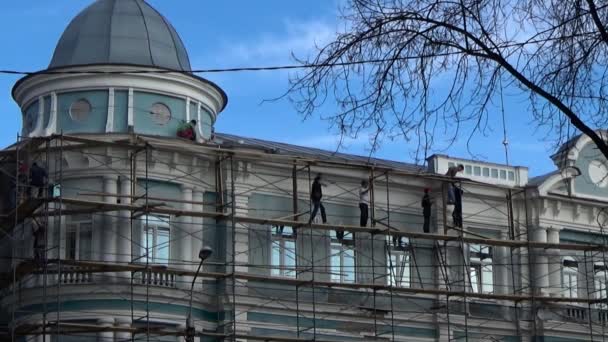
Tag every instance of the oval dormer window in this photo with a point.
(161, 114)
(80, 110)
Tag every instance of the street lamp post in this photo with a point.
(203, 254)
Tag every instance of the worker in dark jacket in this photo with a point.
(426, 211)
(316, 193)
(457, 213)
(38, 176)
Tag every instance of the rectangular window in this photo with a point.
(600, 284)
(570, 279)
(480, 269)
(494, 173)
(503, 174)
(398, 265)
(156, 239)
(79, 236)
(486, 172)
(342, 258)
(511, 176)
(468, 169)
(283, 252)
(477, 171)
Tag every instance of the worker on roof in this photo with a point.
(364, 202)
(187, 130)
(38, 177)
(316, 193)
(426, 211)
(452, 173)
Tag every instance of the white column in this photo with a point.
(541, 269)
(130, 118)
(554, 269)
(108, 252)
(123, 246)
(110, 118)
(52, 126)
(502, 261)
(185, 244)
(105, 335)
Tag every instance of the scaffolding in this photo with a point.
(447, 279)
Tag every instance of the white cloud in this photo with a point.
(298, 37)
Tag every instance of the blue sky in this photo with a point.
(249, 33)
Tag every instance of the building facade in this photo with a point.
(131, 206)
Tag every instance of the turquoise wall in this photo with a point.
(121, 108)
(206, 123)
(142, 119)
(96, 121)
(30, 117)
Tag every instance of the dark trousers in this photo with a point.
(364, 214)
(317, 205)
(426, 227)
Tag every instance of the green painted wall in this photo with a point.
(121, 108)
(30, 117)
(46, 112)
(206, 123)
(96, 120)
(142, 119)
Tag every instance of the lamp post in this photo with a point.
(203, 254)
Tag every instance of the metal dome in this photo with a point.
(121, 32)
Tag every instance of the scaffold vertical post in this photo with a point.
(233, 232)
(312, 262)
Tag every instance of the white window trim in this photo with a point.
(401, 255)
(285, 253)
(76, 227)
(342, 247)
(154, 223)
(480, 266)
(569, 273)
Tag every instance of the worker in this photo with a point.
(364, 202)
(22, 184)
(452, 172)
(39, 232)
(316, 194)
(38, 177)
(457, 213)
(426, 211)
(187, 130)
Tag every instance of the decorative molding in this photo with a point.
(38, 130)
(110, 119)
(557, 208)
(188, 109)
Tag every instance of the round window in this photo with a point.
(161, 114)
(80, 110)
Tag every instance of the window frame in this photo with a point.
(280, 241)
(480, 264)
(155, 223)
(74, 232)
(600, 274)
(569, 278)
(400, 254)
(344, 250)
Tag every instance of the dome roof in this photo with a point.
(121, 32)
